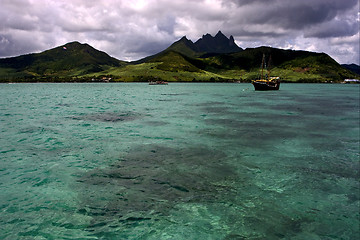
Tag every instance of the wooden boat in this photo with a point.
(267, 83)
(158, 83)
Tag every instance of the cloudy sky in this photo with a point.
(133, 29)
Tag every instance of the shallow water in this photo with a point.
(182, 161)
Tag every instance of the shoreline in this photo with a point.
(291, 82)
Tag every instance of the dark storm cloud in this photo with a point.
(293, 14)
(132, 29)
(334, 29)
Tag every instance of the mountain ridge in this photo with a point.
(205, 46)
(210, 58)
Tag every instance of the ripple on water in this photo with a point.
(108, 117)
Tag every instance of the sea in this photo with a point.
(179, 161)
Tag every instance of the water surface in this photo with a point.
(182, 161)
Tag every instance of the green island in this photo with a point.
(210, 59)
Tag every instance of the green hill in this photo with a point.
(185, 47)
(167, 66)
(70, 60)
(174, 61)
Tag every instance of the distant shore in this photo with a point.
(357, 81)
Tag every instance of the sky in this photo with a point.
(132, 29)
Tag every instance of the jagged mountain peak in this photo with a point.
(207, 36)
(217, 44)
(207, 45)
(220, 35)
(185, 40)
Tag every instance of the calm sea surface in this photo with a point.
(182, 161)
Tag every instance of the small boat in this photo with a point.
(158, 83)
(351, 81)
(267, 83)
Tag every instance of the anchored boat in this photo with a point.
(158, 83)
(267, 82)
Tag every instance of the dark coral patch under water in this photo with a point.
(150, 180)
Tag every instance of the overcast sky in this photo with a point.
(133, 29)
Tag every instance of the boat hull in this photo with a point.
(266, 85)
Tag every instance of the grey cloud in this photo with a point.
(291, 14)
(167, 24)
(149, 48)
(300, 16)
(246, 2)
(267, 4)
(248, 33)
(13, 45)
(333, 29)
(132, 29)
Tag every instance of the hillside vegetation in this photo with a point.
(210, 58)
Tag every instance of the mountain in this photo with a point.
(203, 47)
(210, 58)
(218, 44)
(207, 45)
(71, 59)
(352, 67)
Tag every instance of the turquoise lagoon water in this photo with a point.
(183, 161)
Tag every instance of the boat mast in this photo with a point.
(262, 66)
(268, 67)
